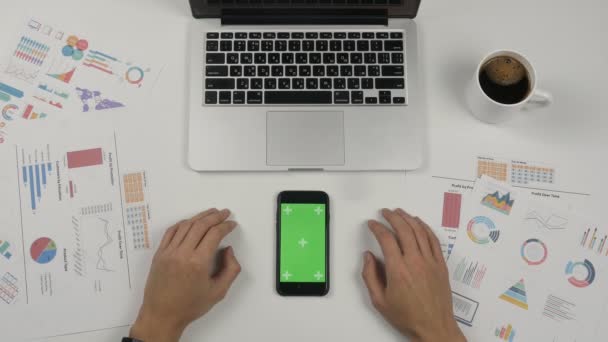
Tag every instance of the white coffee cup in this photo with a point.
(490, 111)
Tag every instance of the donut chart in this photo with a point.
(43, 250)
(576, 278)
(134, 75)
(534, 252)
(482, 230)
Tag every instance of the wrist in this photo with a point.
(451, 334)
(152, 328)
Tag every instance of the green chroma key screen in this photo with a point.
(302, 243)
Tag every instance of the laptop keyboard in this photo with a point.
(305, 68)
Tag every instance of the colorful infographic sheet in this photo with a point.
(76, 223)
(524, 272)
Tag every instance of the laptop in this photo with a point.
(280, 85)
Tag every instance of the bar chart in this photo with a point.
(36, 171)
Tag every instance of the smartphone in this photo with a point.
(302, 243)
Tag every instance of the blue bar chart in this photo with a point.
(35, 172)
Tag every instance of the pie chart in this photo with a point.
(43, 250)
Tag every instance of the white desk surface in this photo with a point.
(564, 39)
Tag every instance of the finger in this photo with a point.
(184, 226)
(404, 232)
(387, 241)
(167, 237)
(202, 226)
(434, 241)
(206, 249)
(227, 274)
(420, 232)
(373, 281)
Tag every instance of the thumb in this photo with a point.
(373, 280)
(227, 274)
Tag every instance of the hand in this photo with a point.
(412, 290)
(180, 287)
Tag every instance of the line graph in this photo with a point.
(101, 261)
(551, 221)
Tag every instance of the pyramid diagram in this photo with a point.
(516, 295)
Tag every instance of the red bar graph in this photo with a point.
(85, 158)
(451, 210)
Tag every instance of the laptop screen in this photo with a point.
(394, 8)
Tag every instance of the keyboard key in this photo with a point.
(226, 45)
(397, 57)
(253, 45)
(385, 97)
(269, 35)
(356, 97)
(381, 35)
(393, 45)
(254, 97)
(301, 58)
(370, 58)
(287, 58)
(325, 35)
(240, 35)
(335, 45)
(255, 35)
(333, 70)
(274, 58)
(211, 97)
(283, 35)
(390, 83)
(263, 70)
(294, 45)
(308, 45)
(236, 70)
(362, 45)
(354, 35)
(215, 58)
(267, 45)
(367, 83)
(246, 58)
(240, 45)
(280, 45)
(312, 35)
(356, 58)
(318, 70)
(349, 45)
(270, 83)
(373, 70)
(212, 35)
(233, 58)
(326, 83)
(329, 58)
(249, 70)
(376, 45)
(291, 70)
(321, 45)
(298, 97)
(297, 83)
(238, 97)
(339, 83)
(277, 70)
(392, 70)
(259, 58)
(304, 70)
(314, 58)
(368, 35)
(396, 35)
(399, 100)
(284, 83)
(216, 70)
(346, 70)
(257, 83)
(225, 97)
(340, 35)
(219, 83)
(342, 58)
(384, 58)
(312, 83)
(360, 70)
(242, 83)
(353, 83)
(212, 45)
(341, 97)
(371, 100)
(297, 35)
(226, 35)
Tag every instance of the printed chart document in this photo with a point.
(524, 272)
(72, 222)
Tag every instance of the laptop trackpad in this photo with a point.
(302, 138)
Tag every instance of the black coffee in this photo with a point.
(505, 80)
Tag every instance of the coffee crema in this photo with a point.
(505, 80)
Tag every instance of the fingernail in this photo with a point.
(225, 211)
(367, 257)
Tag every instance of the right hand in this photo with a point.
(412, 290)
